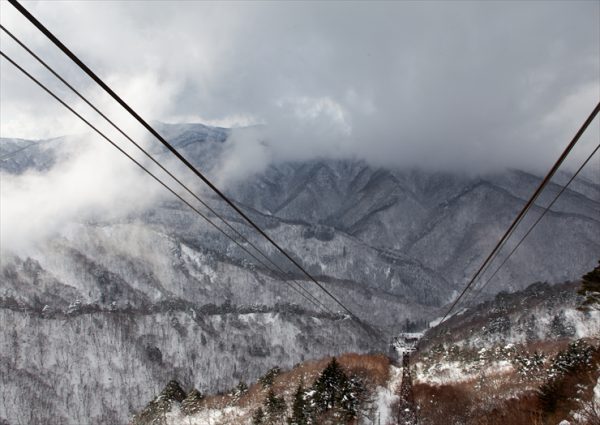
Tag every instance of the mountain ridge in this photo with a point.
(149, 258)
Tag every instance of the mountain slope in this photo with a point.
(393, 245)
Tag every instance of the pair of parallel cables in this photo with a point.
(526, 208)
(299, 289)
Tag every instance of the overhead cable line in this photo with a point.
(480, 290)
(148, 155)
(174, 151)
(529, 203)
(41, 85)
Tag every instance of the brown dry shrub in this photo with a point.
(522, 410)
(443, 404)
(469, 404)
(375, 368)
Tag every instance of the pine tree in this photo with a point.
(275, 408)
(328, 387)
(239, 391)
(259, 417)
(192, 404)
(577, 358)
(590, 289)
(578, 354)
(336, 394)
(170, 394)
(559, 328)
(300, 411)
(529, 367)
(269, 377)
(242, 388)
(156, 411)
(352, 395)
(530, 329)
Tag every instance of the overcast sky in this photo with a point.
(441, 84)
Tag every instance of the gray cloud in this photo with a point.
(436, 84)
(89, 182)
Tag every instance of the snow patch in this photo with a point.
(386, 396)
(446, 372)
(227, 415)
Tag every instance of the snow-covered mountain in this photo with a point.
(521, 356)
(107, 309)
(532, 356)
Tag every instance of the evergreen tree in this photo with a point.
(351, 398)
(578, 354)
(328, 387)
(269, 377)
(275, 408)
(559, 328)
(239, 391)
(192, 404)
(529, 367)
(300, 408)
(156, 411)
(530, 329)
(575, 360)
(336, 395)
(259, 417)
(242, 388)
(590, 289)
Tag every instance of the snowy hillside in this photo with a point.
(352, 388)
(546, 371)
(527, 357)
(541, 312)
(156, 293)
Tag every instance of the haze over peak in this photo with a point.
(438, 85)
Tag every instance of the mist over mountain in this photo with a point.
(386, 146)
(443, 85)
(107, 307)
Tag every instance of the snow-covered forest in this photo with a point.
(299, 213)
